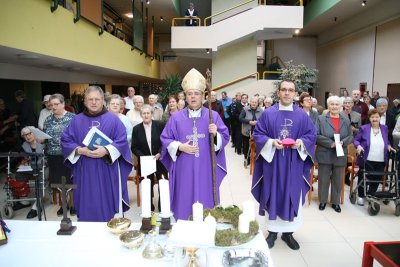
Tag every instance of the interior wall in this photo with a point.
(346, 63)
(234, 62)
(288, 49)
(387, 57)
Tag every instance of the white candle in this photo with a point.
(210, 220)
(197, 210)
(145, 188)
(164, 198)
(244, 224)
(248, 210)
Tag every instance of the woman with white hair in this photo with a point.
(331, 166)
(114, 105)
(31, 145)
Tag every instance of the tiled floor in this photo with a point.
(326, 237)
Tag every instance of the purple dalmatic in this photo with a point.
(190, 175)
(279, 184)
(101, 184)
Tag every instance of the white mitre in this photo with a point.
(194, 80)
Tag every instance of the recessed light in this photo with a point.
(129, 15)
(297, 31)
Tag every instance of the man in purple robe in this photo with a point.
(285, 138)
(100, 174)
(186, 150)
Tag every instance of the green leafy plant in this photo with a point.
(300, 74)
(172, 86)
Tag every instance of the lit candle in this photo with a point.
(244, 224)
(210, 220)
(145, 188)
(248, 210)
(197, 210)
(164, 198)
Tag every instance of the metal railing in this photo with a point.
(252, 75)
(174, 20)
(266, 72)
(226, 10)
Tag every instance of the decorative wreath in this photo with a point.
(230, 237)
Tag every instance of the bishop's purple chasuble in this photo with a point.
(278, 185)
(96, 197)
(190, 176)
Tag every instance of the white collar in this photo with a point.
(289, 108)
(194, 113)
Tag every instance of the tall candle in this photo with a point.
(248, 210)
(210, 220)
(145, 188)
(197, 210)
(164, 198)
(244, 224)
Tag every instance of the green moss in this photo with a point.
(230, 237)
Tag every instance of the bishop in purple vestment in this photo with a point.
(100, 174)
(186, 150)
(281, 173)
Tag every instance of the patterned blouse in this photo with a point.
(54, 127)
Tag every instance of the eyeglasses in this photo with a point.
(286, 90)
(27, 134)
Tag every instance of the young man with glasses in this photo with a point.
(285, 138)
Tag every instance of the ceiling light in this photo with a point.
(208, 51)
(148, 2)
(129, 15)
(297, 31)
(161, 18)
(364, 3)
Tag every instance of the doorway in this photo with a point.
(393, 92)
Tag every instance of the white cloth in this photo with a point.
(134, 117)
(377, 147)
(129, 102)
(128, 127)
(147, 131)
(44, 113)
(383, 119)
(281, 226)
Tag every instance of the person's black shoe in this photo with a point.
(18, 205)
(290, 241)
(72, 211)
(322, 206)
(271, 239)
(31, 214)
(336, 208)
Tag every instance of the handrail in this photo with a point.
(270, 72)
(260, 2)
(54, 6)
(183, 18)
(226, 10)
(77, 16)
(236, 81)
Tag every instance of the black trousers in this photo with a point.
(371, 187)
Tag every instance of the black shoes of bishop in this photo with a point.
(286, 237)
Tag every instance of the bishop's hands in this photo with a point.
(212, 129)
(99, 152)
(188, 148)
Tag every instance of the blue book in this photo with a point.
(96, 137)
